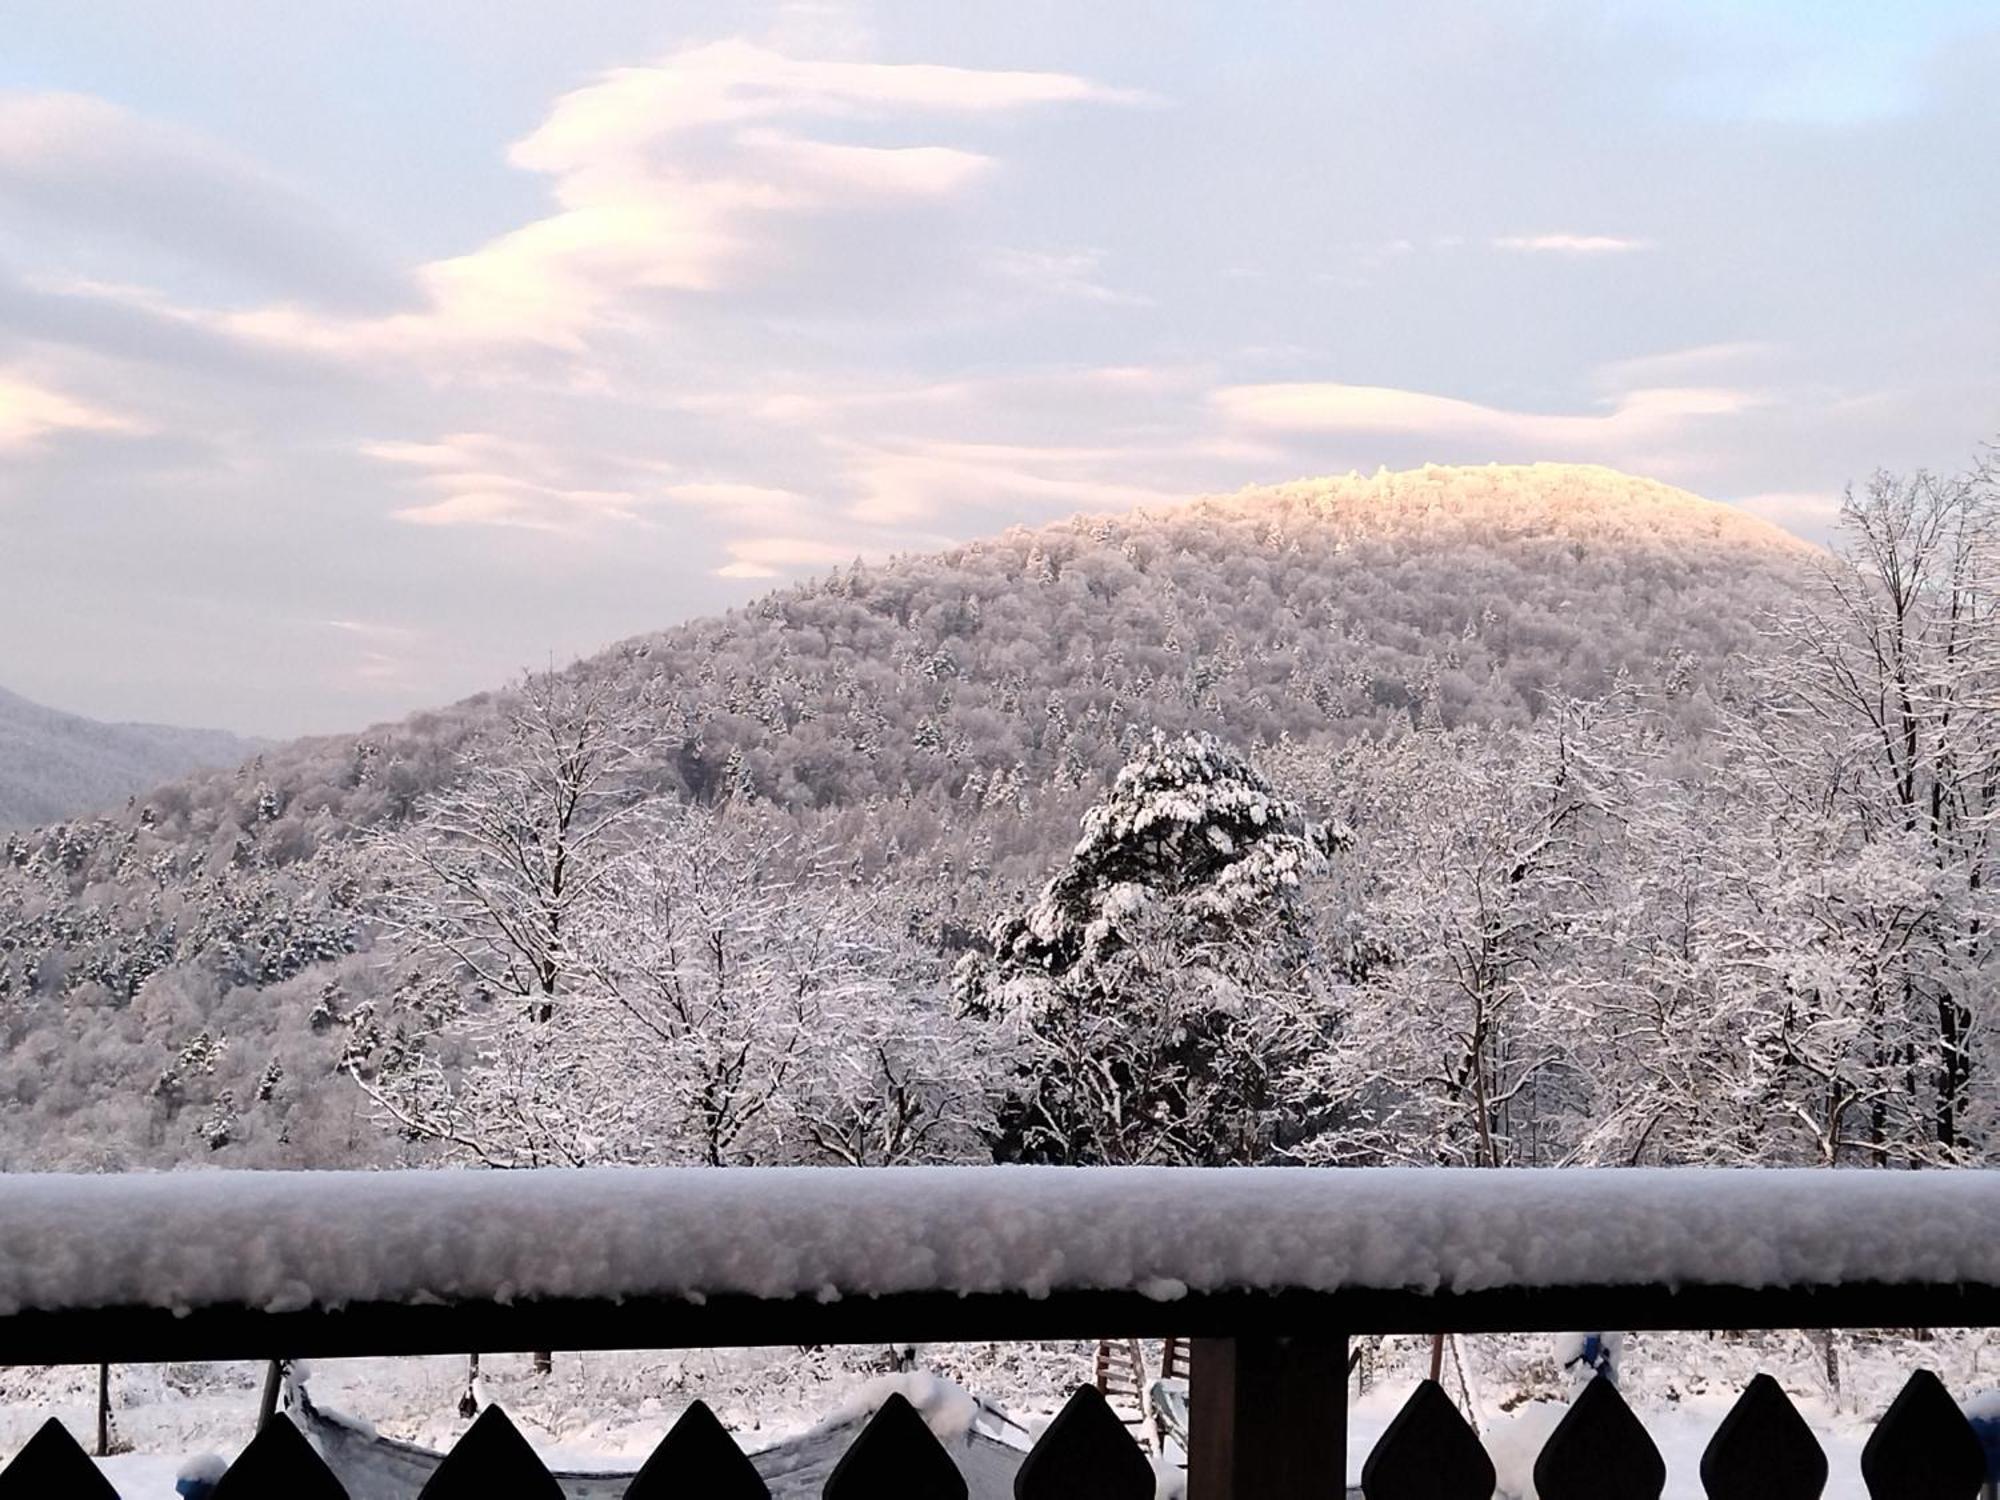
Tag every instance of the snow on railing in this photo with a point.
(1270, 1271)
(285, 1241)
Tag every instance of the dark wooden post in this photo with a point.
(274, 1380)
(103, 1410)
(1268, 1418)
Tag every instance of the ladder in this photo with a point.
(1121, 1377)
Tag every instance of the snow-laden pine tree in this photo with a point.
(1146, 981)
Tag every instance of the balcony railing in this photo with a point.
(1268, 1272)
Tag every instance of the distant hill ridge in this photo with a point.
(58, 765)
(1590, 500)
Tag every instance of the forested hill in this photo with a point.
(1317, 609)
(1320, 608)
(57, 765)
(944, 712)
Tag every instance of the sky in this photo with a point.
(356, 357)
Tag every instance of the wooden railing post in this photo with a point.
(103, 1410)
(274, 1384)
(1267, 1418)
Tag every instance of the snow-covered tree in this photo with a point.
(733, 1002)
(489, 885)
(1468, 941)
(1876, 737)
(1732, 926)
(1140, 977)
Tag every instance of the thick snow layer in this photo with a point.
(282, 1240)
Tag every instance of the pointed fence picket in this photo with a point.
(698, 1457)
(1428, 1452)
(491, 1459)
(1086, 1450)
(1763, 1450)
(1922, 1449)
(279, 1461)
(896, 1454)
(1599, 1451)
(52, 1463)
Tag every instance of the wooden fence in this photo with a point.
(1267, 1400)
(1922, 1449)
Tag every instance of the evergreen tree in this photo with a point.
(1143, 976)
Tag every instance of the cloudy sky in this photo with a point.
(353, 357)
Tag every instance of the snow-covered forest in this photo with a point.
(1182, 748)
(1484, 817)
(1476, 818)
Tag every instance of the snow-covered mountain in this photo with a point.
(58, 765)
(938, 719)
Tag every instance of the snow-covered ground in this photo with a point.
(608, 1410)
